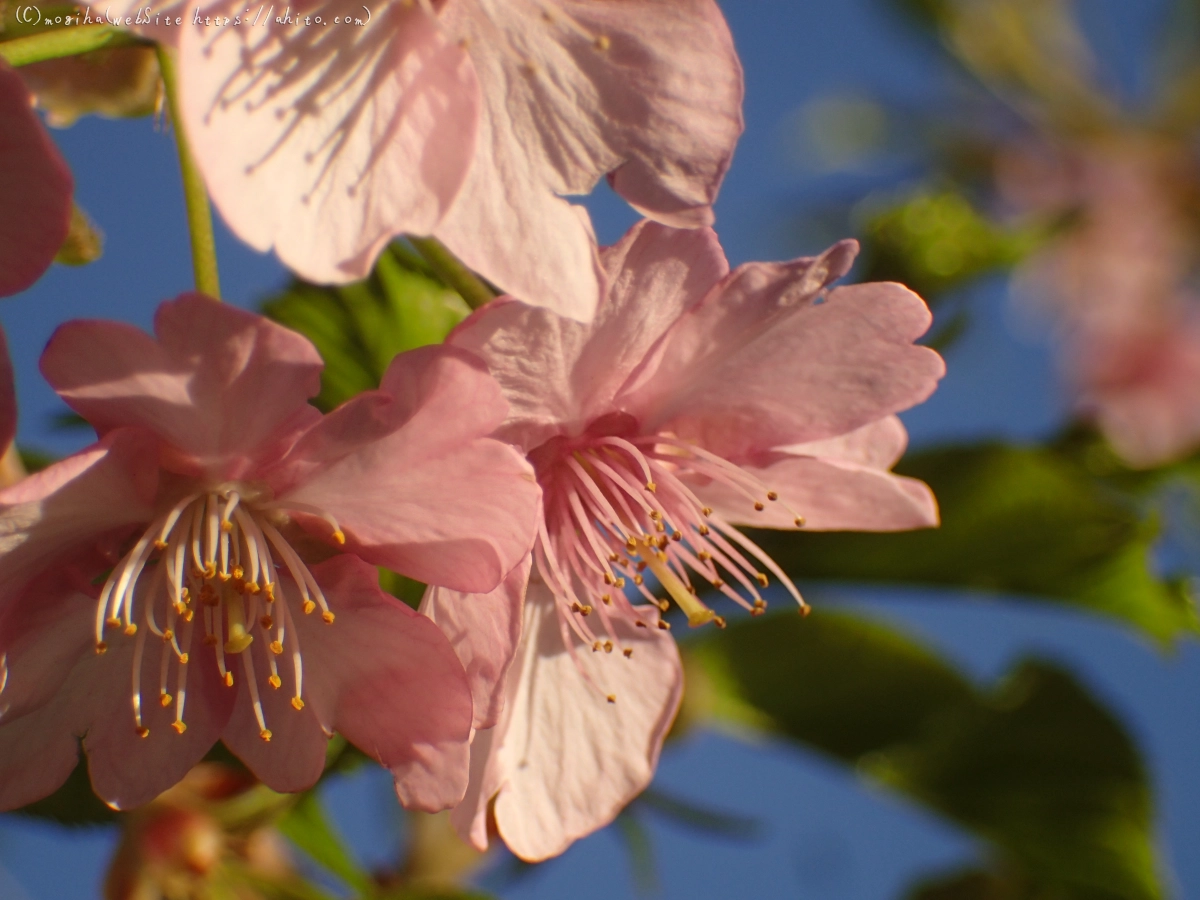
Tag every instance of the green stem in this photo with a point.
(451, 270)
(195, 196)
(59, 42)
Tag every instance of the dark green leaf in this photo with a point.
(976, 885)
(1019, 521)
(305, 826)
(359, 327)
(74, 803)
(1037, 766)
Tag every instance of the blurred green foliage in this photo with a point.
(1035, 765)
(1029, 522)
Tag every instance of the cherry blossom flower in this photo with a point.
(697, 400)
(469, 120)
(207, 569)
(35, 200)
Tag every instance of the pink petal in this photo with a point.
(412, 481)
(294, 758)
(47, 518)
(650, 92)
(43, 631)
(35, 193)
(388, 680)
(837, 484)
(38, 751)
(564, 761)
(326, 142)
(483, 630)
(558, 374)
(222, 387)
(765, 361)
(127, 770)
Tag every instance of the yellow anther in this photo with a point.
(210, 570)
(772, 496)
(608, 579)
(760, 604)
(761, 578)
(707, 510)
(187, 615)
(239, 573)
(228, 679)
(655, 514)
(266, 622)
(631, 546)
(269, 591)
(659, 527)
(602, 42)
(143, 731)
(640, 623)
(327, 617)
(112, 622)
(664, 605)
(226, 526)
(638, 580)
(252, 587)
(585, 611)
(131, 629)
(606, 599)
(297, 703)
(758, 506)
(608, 646)
(665, 626)
(339, 537)
(620, 582)
(719, 621)
(277, 648)
(101, 647)
(703, 529)
(308, 607)
(596, 646)
(168, 636)
(223, 577)
(677, 535)
(799, 520)
(160, 545)
(275, 681)
(718, 583)
(612, 698)
(265, 734)
(165, 699)
(185, 595)
(179, 727)
(613, 557)
(651, 486)
(805, 609)
(704, 556)
(628, 651)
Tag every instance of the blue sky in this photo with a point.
(823, 833)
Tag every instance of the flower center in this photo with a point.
(217, 557)
(615, 507)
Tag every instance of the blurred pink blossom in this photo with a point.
(158, 587)
(470, 120)
(1116, 282)
(697, 399)
(35, 196)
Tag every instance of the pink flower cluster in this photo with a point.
(576, 453)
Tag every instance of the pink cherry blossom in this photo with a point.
(35, 199)
(697, 399)
(207, 570)
(470, 120)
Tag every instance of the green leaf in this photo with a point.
(974, 885)
(935, 241)
(358, 328)
(305, 826)
(1021, 521)
(1036, 765)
